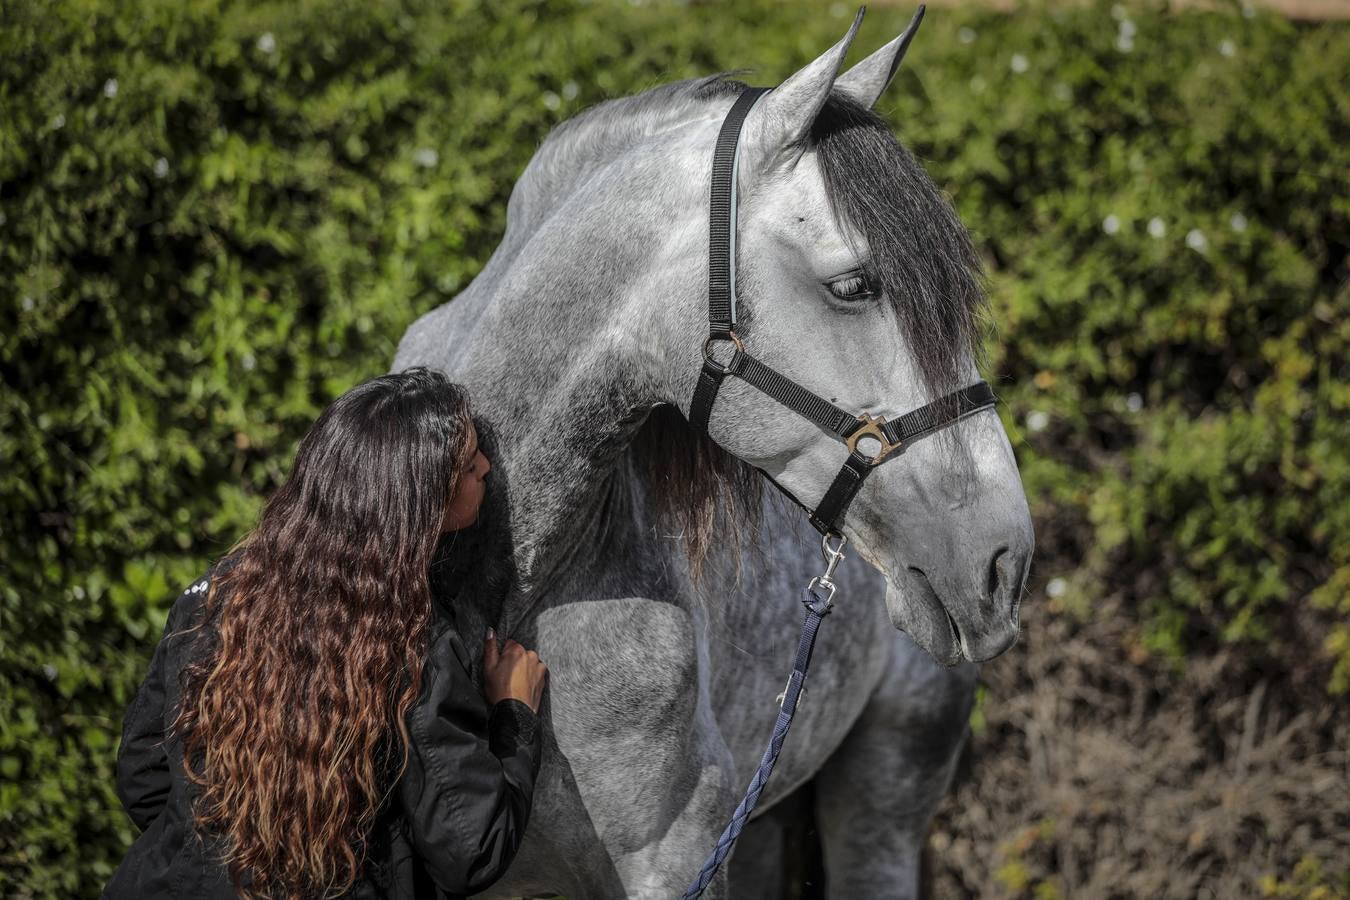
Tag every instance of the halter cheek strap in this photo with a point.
(891, 438)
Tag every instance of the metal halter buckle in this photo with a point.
(731, 336)
(871, 427)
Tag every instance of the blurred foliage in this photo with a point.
(1309, 882)
(216, 216)
(1013, 875)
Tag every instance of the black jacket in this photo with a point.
(450, 828)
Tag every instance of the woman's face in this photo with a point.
(463, 506)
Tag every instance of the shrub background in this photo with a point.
(215, 217)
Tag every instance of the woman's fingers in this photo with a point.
(490, 651)
(511, 654)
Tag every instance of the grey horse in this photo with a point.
(645, 561)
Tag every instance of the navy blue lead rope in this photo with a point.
(816, 610)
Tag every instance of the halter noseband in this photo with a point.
(892, 436)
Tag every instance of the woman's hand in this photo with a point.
(512, 672)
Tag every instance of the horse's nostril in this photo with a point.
(956, 629)
(992, 576)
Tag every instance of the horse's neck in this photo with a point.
(563, 352)
(561, 476)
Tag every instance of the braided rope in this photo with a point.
(816, 609)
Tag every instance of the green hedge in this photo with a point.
(215, 217)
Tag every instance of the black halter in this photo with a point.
(849, 429)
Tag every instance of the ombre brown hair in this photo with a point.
(293, 719)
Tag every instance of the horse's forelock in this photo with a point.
(921, 256)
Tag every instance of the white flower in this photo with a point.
(49, 670)
(966, 35)
(161, 167)
(1127, 28)
(1037, 420)
(267, 43)
(1227, 47)
(248, 362)
(1124, 43)
(1056, 587)
(1195, 239)
(426, 157)
(1019, 63)
(1156, 227)
(1134, 402)
(552, 100)
(58, 121)
(1111, 224)
(569, 90)
(28, 304)
(110, 88)
(1238, 222)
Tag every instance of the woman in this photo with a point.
(338, 745)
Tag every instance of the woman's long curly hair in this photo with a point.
(291, 721)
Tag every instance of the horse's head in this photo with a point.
(857, 281)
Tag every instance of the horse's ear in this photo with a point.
(865, 81)
(777, 127)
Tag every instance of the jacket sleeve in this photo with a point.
(142, 765)
(469, 782)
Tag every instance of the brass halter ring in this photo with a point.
(731, 336)
(871, 427)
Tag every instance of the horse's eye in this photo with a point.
(852, 287)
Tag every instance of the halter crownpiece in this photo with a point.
(892, 437)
